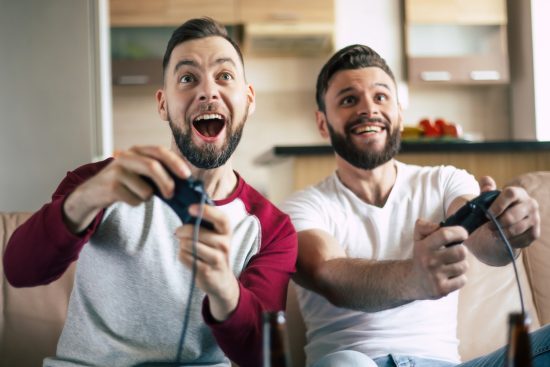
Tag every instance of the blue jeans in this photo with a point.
(540, 348)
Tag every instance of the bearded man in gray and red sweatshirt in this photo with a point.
(136, 259)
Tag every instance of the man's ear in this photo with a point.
(251, 97)
(321, 119)
(161, 104)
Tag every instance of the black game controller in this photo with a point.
(472, 214)
(186, 192)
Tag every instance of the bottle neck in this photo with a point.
(519, 345)
(275, 340)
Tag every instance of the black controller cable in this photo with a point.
(196, 229)
(510, 252)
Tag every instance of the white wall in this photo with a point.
(376, 24)
(530, 58)
(48, 102)
(540, 9)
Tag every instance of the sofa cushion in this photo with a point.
(537, 257)
(484, 303)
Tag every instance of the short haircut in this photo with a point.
(348, 58)
(196, 29)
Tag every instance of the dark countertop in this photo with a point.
(451, 146)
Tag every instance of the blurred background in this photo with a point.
(77, 81)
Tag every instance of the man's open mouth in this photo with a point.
(209, 125)
(366, 129)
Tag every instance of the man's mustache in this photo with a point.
(208, 107)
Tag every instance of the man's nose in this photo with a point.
(368, 107)
(208, 91)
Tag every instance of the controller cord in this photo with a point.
(510, 252)
(196, 229)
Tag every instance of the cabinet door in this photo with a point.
(457, 41)
(223, 11)
(258, 11)
(456, 11)
(139, 13)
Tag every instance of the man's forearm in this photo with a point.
(366, 285)
(41, 249)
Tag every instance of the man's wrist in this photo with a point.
(224, 304)
(75, 214)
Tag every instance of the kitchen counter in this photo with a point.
(503, 160)
(421, 146)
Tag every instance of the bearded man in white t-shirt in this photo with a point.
(377, 283)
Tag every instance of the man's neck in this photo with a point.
(372, 186)
(219, 183)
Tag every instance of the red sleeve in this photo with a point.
(42, 248)
(263, 287)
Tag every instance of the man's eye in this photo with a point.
(225, 76)
(381, 97)
(187, 79)
(347, 101)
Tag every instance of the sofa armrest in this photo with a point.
(537, 256)
(32, 318)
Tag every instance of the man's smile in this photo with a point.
(366, 129)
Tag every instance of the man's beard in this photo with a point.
(361, 158)
(207, 157)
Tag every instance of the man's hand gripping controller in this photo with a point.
(186, 192)
(472, 214)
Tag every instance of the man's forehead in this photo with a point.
(371, 76)
(205, 51)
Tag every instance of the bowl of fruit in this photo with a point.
(438, 129)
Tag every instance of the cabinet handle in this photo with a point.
(132, 80)
(484, 75)
(435, 76)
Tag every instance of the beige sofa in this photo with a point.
(32, 318)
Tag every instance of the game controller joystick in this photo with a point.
(186, 192)
(472, 214)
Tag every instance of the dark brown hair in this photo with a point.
(348, 58)
(195, 29)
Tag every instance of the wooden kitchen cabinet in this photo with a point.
(139, 13)
(456, 41)
(281, 28)
(456, 11)
(157, 13)
(261, 11)
(263, 28)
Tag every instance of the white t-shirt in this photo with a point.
(421, 328)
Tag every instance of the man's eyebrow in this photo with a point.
(194, 64)
(343, 91)
(223, 60)
(383, 85)
(185, 62)
(349, 89)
